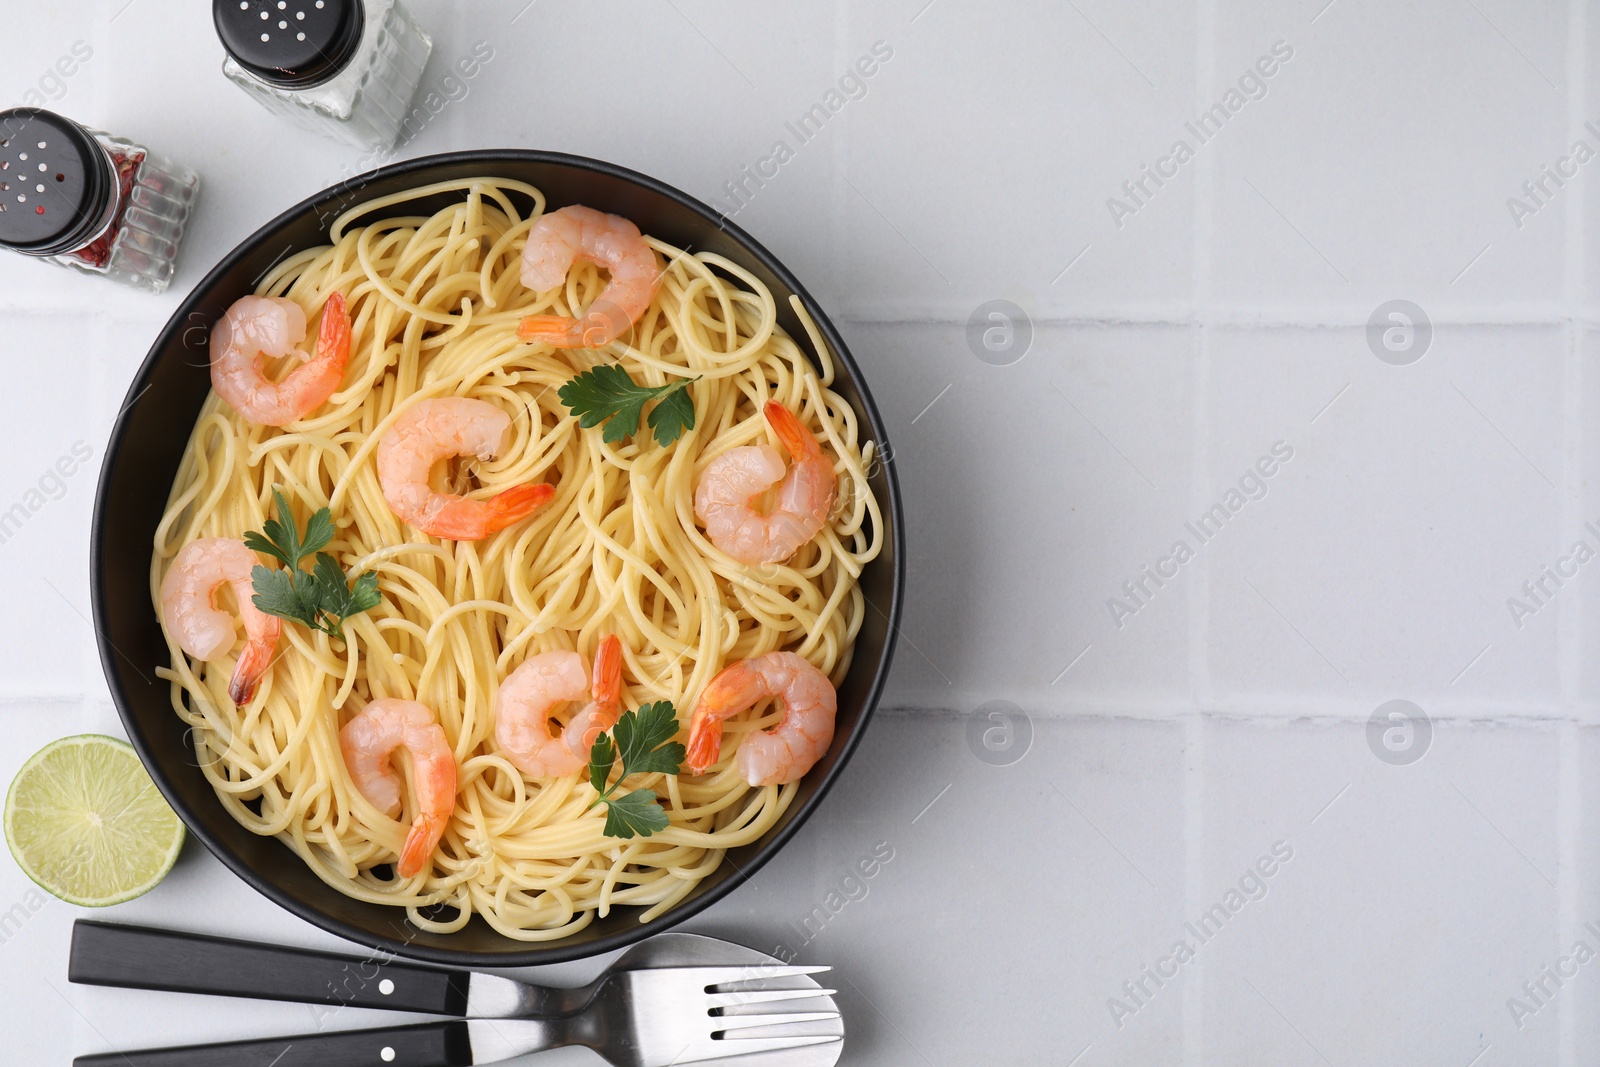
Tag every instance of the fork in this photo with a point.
(650, 1016)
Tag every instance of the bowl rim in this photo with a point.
(536, 953)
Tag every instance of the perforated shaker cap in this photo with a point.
(56, 183)
(293, 44)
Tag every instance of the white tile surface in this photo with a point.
(1102, 418)
(54, 441)
(1410, 511)
(1174, 341)
(1362, 941)
(1362, 117)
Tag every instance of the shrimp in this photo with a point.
(559, 239)
(367, 742)
(723, 498)
(259, 326)
(434, 430)
(523, 704)
(787, 751)
(190, 614)
(600, 714)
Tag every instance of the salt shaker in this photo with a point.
(344, 68)
(90, 201)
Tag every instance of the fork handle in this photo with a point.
(445, 1044)
(140, 957)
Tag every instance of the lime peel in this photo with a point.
(85, 822)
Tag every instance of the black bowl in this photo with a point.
(142, 461)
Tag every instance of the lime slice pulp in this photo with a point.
(85, 821)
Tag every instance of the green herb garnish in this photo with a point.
(642, 740)
(320, 598)
(606, 394)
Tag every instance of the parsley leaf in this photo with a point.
(364, 595)
(672, 416)
(636, 814)
(606, 394)
(276, 594)
(339, 601)
(319, 529)
(321, 598)
(642, 741)
(282, 537)
(642, 738)
(602, 757)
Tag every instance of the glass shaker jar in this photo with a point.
(90, 201)
(344, 68)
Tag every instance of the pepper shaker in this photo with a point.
(90, 201)
(344, 68)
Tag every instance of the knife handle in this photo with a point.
(445, 1044)
(139, 957)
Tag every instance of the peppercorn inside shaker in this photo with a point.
(90, 201)
(344, 68)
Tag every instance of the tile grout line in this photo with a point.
(1045, 705)
(1577, 93)
(1199, 592)
(1200, 587)
(839, 150)
(1570, 516)
(1569, 794)
(1569, 657)
(1213, 314)
(1569, 629)
(1194, 877)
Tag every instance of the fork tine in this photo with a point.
(755, 973)
(744, 1022)
(765, 996)
(752, 1046)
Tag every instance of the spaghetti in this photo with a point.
(434, 301)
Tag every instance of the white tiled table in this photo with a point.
(1227, 312)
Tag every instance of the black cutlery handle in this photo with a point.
(445, 1044)
(139, 957)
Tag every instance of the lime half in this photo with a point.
(85, 821)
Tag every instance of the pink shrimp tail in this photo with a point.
(605, 690)
(333, 338)
(554, 330)
(600, 325)
(735, 688)
(606, 686)
(705, 745)
(465, 519)
(558, 331)
(424, 837)
(797, 440)
(254, 662)
(517, 503)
